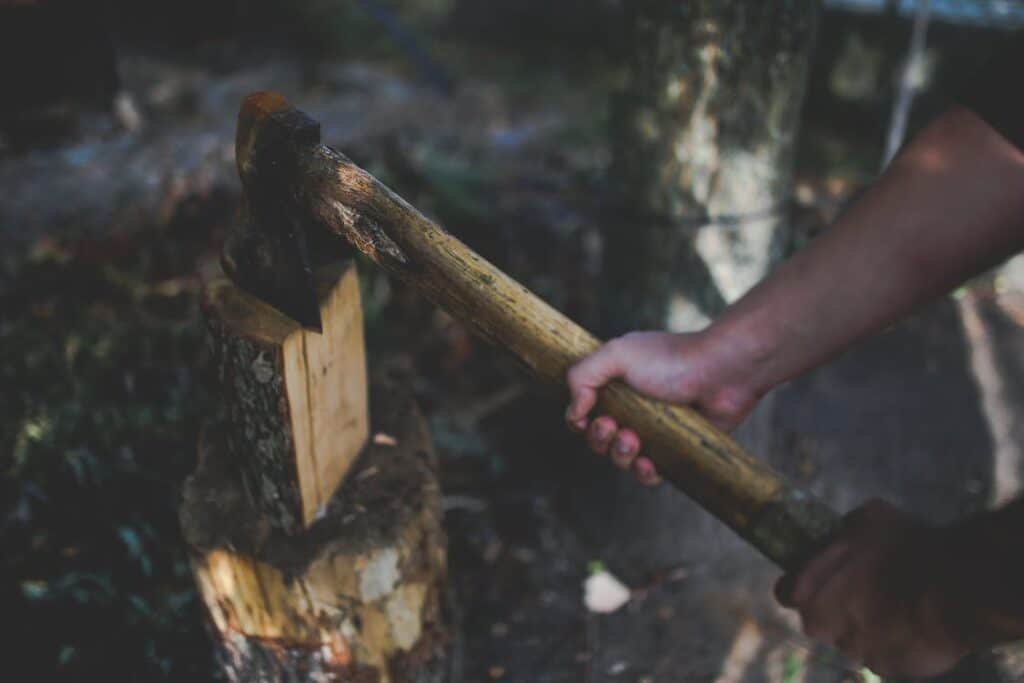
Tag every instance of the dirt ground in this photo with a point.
(924, 415)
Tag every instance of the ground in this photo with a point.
(100, 359)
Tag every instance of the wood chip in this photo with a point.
(382, 439)
(603, 593)
(367, 473)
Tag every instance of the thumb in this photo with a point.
(589, 375)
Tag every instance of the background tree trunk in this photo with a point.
(703, 137)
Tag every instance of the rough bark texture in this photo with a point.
(692, 454)
(357, 597)
(703, 138)
(293, 401)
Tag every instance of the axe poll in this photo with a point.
(308, 190)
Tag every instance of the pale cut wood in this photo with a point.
(294, 400)
(358, 597)
(783, 522)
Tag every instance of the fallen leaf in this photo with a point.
(382, 439)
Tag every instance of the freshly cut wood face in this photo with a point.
(325, 376)
(295, 401)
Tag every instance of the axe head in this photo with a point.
(267, 251)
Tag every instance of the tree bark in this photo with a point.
(294, 402)
(703, 141)
(358, 597)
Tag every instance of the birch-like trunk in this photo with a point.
(703, 137)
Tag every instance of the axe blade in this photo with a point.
(267, 252)
(268, 257)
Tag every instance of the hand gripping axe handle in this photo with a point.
(307, 190)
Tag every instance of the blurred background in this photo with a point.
(604, 153)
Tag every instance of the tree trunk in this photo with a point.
(703, 138)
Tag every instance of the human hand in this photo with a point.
(876, 594)
(712, 375)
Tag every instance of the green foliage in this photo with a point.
(869, 676)
(793, 669)
(98, 420)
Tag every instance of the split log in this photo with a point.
(294, 402)
(357, 597)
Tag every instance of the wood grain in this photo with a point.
(294, 400)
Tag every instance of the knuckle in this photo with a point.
(602, 428)
(725, 405)
(612, 347)
(645, 471)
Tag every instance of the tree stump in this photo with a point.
(358, 597)
(304, 580)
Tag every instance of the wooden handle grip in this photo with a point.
(781, 521)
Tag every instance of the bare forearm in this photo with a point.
(950, 206)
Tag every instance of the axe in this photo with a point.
(300, 194)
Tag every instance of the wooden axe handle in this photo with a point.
(783, 522)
